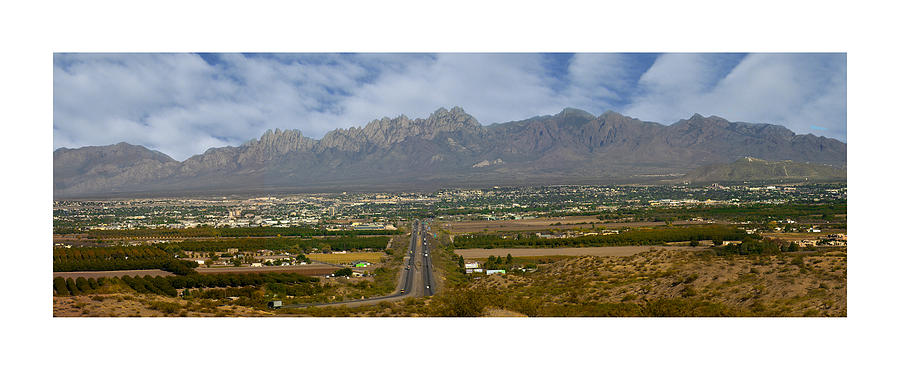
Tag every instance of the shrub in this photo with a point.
(460, 303)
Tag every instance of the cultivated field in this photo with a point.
(570, 222)
(309, 270)
(119, 273)
(587, 251)
(338, 258)
(802, 236)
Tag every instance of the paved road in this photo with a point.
(416, 278)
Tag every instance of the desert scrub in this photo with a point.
(165, 307)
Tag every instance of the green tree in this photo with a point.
(509, 258)
(82, 284)
(70, 284)
(59, 284)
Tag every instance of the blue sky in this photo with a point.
(183, 104)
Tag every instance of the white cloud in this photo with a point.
(794, 90)
(181, 104)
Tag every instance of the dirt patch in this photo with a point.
(120, 273)
(309, 270)
(142, 305)
(499, 312)
(587, 251)
(569, 222)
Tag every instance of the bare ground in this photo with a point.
(311, 270)
(119, 273)
(587, 251)
(568, 222)
(142, 305)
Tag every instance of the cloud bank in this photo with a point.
(183, 104)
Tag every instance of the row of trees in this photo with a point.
(197, 232)
(632, 237)
(90, 253)
(61, 265)
(281, 244)
(751, 212)
(168, 285)
(77, 286)
(766, 246)
(116, 261)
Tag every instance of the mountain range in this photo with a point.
(448, 148)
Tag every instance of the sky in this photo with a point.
(183, 104)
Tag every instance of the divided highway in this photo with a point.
(416, 278)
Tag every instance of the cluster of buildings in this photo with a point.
(381, 210)
(475, 268)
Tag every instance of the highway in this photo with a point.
(416, 278)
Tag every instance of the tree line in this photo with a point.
(753, 212)
(77, 286)
(118, 258)
(631, 237)
(765, 246)
(168, 285)
(280, 244)
(232, 232)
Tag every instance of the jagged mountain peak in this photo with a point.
(449, 147)
(277, 142)
(455, 116)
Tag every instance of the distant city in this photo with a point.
(378, 211)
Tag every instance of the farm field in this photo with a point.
(802, 236)
(586, 251)
(339, 258)
(569, 222)
(309, 270)
(118, 273)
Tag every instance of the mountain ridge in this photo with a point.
(449, 147)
